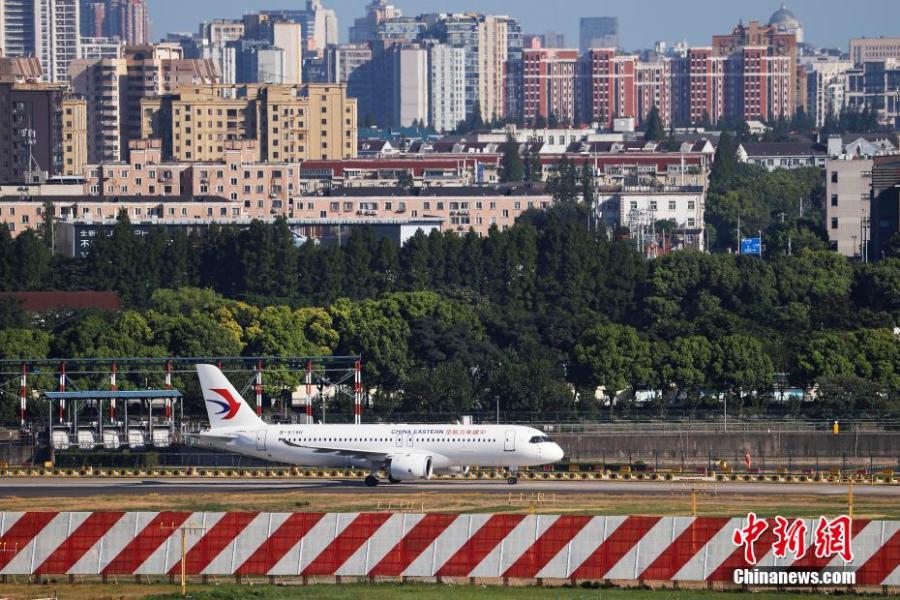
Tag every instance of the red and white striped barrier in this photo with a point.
(625, 548)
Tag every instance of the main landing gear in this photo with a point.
(372, 481)
(512, 480)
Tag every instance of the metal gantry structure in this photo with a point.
(71, 384)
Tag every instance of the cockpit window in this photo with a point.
(539, 439)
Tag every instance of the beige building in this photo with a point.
(848, 189)
(115, 87)
(492, 55)
(460, 209)
(290, 123)
(75, 135)
(863, 50)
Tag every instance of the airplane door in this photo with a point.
(509, 443)
(261, 440)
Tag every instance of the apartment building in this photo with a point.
(848, 189)
(114, 89)
(548, 84)
(642, 208)
(884, 206)
(826, 82)
(863, 50)
(761, 72)
(75, 135)
(32, 131)
(447, 81)
(45, 29)
(876, 85)
(261, 189)
(459, 208)
(290, 123)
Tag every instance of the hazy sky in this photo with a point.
(828, 23)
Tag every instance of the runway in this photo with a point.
(41, 488)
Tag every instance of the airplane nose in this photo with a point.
(555, 454)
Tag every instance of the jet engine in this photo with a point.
(415, 466)
(452, 471)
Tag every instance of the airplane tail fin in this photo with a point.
(225, 406)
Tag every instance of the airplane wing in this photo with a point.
(213, 437)
(339, 451)
(370, 454)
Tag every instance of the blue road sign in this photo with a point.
(751, 246)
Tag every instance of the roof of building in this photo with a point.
(455, 191)
(783, 16)
(44, 301)
(783, 148)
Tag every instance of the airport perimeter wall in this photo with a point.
(703, 445)
(443, 547)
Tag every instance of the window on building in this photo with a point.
(671, 205)
(834, 200)
(834, 177)
(834, 223)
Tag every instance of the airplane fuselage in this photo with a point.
(344, 446)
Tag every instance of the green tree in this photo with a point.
(653, 129)
(563, 184)
(511, 168)
(24, 343)
(12, 316)
(685, 363)
(615, 358)
(725, 164)
(741, 368)
(588, 190)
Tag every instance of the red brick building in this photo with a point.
(548, 83)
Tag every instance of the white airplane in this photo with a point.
(404, 452)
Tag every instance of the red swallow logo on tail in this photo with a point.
(229, 406)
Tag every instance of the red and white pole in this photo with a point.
(23, 384)
(259, 367)
(62, 388)
(357, 392)
(309, 370)
(168, 387)
(113, 387)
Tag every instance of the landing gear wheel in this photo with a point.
(512, 480)
(371, 480)
(392, 480)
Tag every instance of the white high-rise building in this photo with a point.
(289, 37)
(826, 82)
(2, 26)
(447, 86)
(45, 29)
(57, 38)
(409, 66)
(322, 24)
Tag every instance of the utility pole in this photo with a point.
(739, 234)
(183, 529)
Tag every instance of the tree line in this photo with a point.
(545, 317)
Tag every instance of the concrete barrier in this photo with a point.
(629, 549)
